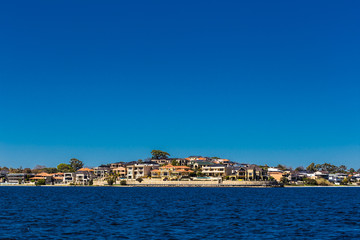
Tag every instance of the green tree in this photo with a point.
(40, 182)
(328, 167)
(174, 162)
(281, 167)
(139, 179)
(27, 170)
(311, 168)
(76, 164)
(345, 181)
(351, 170)
(342, 169)
(63, 167)
(111, 179)
(309, 181)
(158, 154)
(50, 170)
(299, 169)
(284, 180)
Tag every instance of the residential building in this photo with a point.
(69, 178)
(200, 164)
(321, 174)
(43, 175)
(19, 177)
(275, 173)
(251, 172)
(161, 161)
(140, 170)
(196, 158)
(120, 171)
(103, 170)
(84, 175)
(116, 165)
(3, 175)
(171, 172)
(216, 170)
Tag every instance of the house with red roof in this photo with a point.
(171, 172)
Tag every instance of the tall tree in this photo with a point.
(27, 170)
(63, 167)
(299, 169)
(311, 168)
(158, 154)
(281, 167)
(76, 164)
(317, 167)
(342, 169)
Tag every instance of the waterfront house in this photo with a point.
(333, 178)
(337, 178)
(171, 172)
(3, 175)
(275, 173)
(216, 170)
(69, 178)
(321, 174)
(58, 178)
(139, 170)
(120, 171)
(43, 175)
(103, 170)
(84, 175)
(356, 177)
(251, 172)
(19, 177)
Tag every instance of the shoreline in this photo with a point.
(181, 186)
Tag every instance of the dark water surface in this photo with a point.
(179, 213)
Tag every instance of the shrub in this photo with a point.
(139, 180)
(91, 182)
(309, 181)
(284, 180)
(110, 181)
(40, 182)
(323, 182)
(345, 181)
(123, 182)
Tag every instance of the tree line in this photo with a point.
(73, 165)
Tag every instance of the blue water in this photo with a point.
(179, 213)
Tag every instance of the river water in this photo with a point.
(179, 213)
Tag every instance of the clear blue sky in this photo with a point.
(253, 81)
